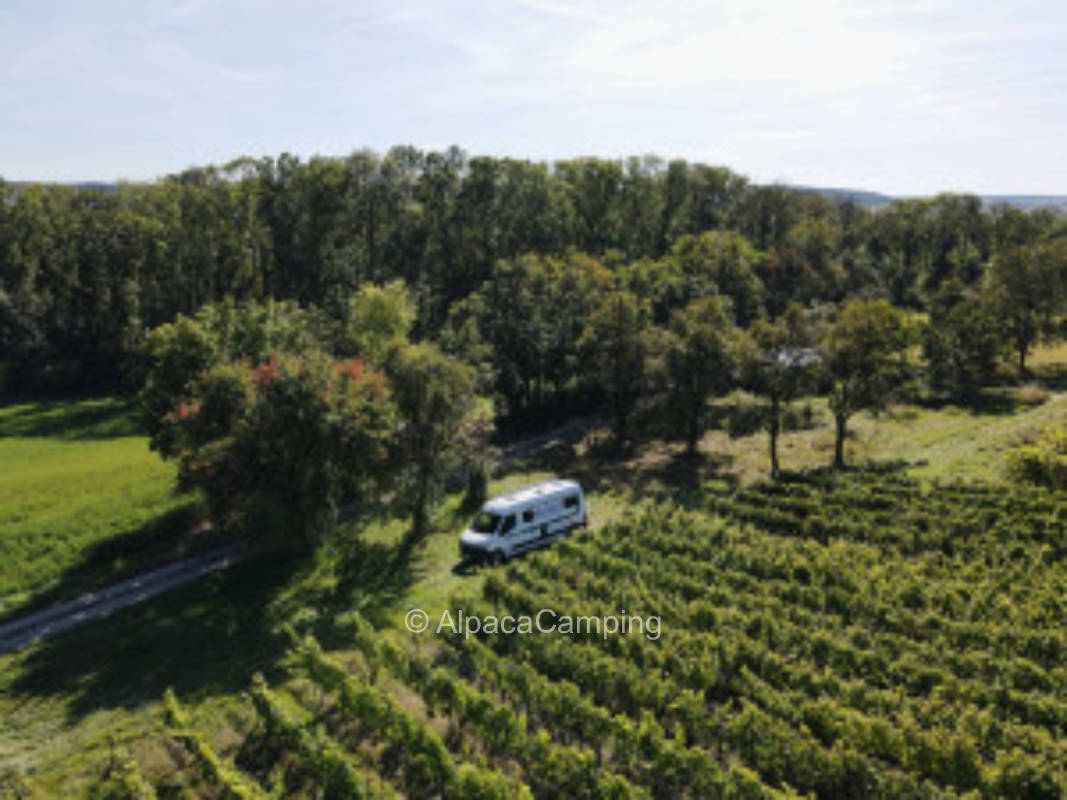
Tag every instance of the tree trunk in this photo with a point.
(839, 441)
(773, 431)
(477, 486)
(1022, 360)
(420, 516)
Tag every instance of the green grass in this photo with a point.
(82, 499)
(74, 477)
(945, 443)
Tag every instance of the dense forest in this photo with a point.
(505, 258)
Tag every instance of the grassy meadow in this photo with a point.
(82, 500)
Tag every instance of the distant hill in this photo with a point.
(1025, 202)
(94, 186)
(858, 196)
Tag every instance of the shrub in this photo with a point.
(1043, 462)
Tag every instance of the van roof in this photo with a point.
(530, 493)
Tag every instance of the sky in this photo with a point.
(903, 97)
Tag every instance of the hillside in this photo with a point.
(869, 199)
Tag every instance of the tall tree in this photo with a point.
(434, 395)
(777, 362)
(699, 362)
(1030, 287)
(962, 341)
(613, 348)
(864, 353)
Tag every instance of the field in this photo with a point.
(82, 500)
(890, 633)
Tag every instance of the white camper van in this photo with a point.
(522, 520)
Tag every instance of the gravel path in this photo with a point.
(24, 630)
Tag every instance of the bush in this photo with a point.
(277, 448)
(1043, 463)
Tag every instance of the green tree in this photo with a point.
(1030, 287)
(177, 353)
(531, 313)
(777, 360)
(435, 397)
(699, 362)
(722, 262)
(962, 341)
(864, 354)
(276, 448)
(614, 348)
(274, 431)
(379, 318)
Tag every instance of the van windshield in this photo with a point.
(485, 522)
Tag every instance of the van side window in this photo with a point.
(509, 523)
(570, 501)
(527, 516)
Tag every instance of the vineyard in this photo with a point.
(858, 636)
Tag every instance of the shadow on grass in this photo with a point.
(173, 535)
(985, 403)
(72, 420)
(204, 638)
(641, 472)
(371, 578)
(209, 637)
(1053, 376)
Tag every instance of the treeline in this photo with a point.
(85, 273)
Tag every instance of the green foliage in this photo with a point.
(434, 397)
(721, 262)
(231, 783)
(699, 362)
(529, 315)
(326, 759)
(1030, 288)
(123, 781)
(1043, 462)
(864, 351)
(962, 342)
(85, 273)
(777, 361)
(379, 318)
(299, 437)
(614, 348)
(178, 353)
(273, 431)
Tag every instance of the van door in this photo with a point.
(531, 525)
(510, 532)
